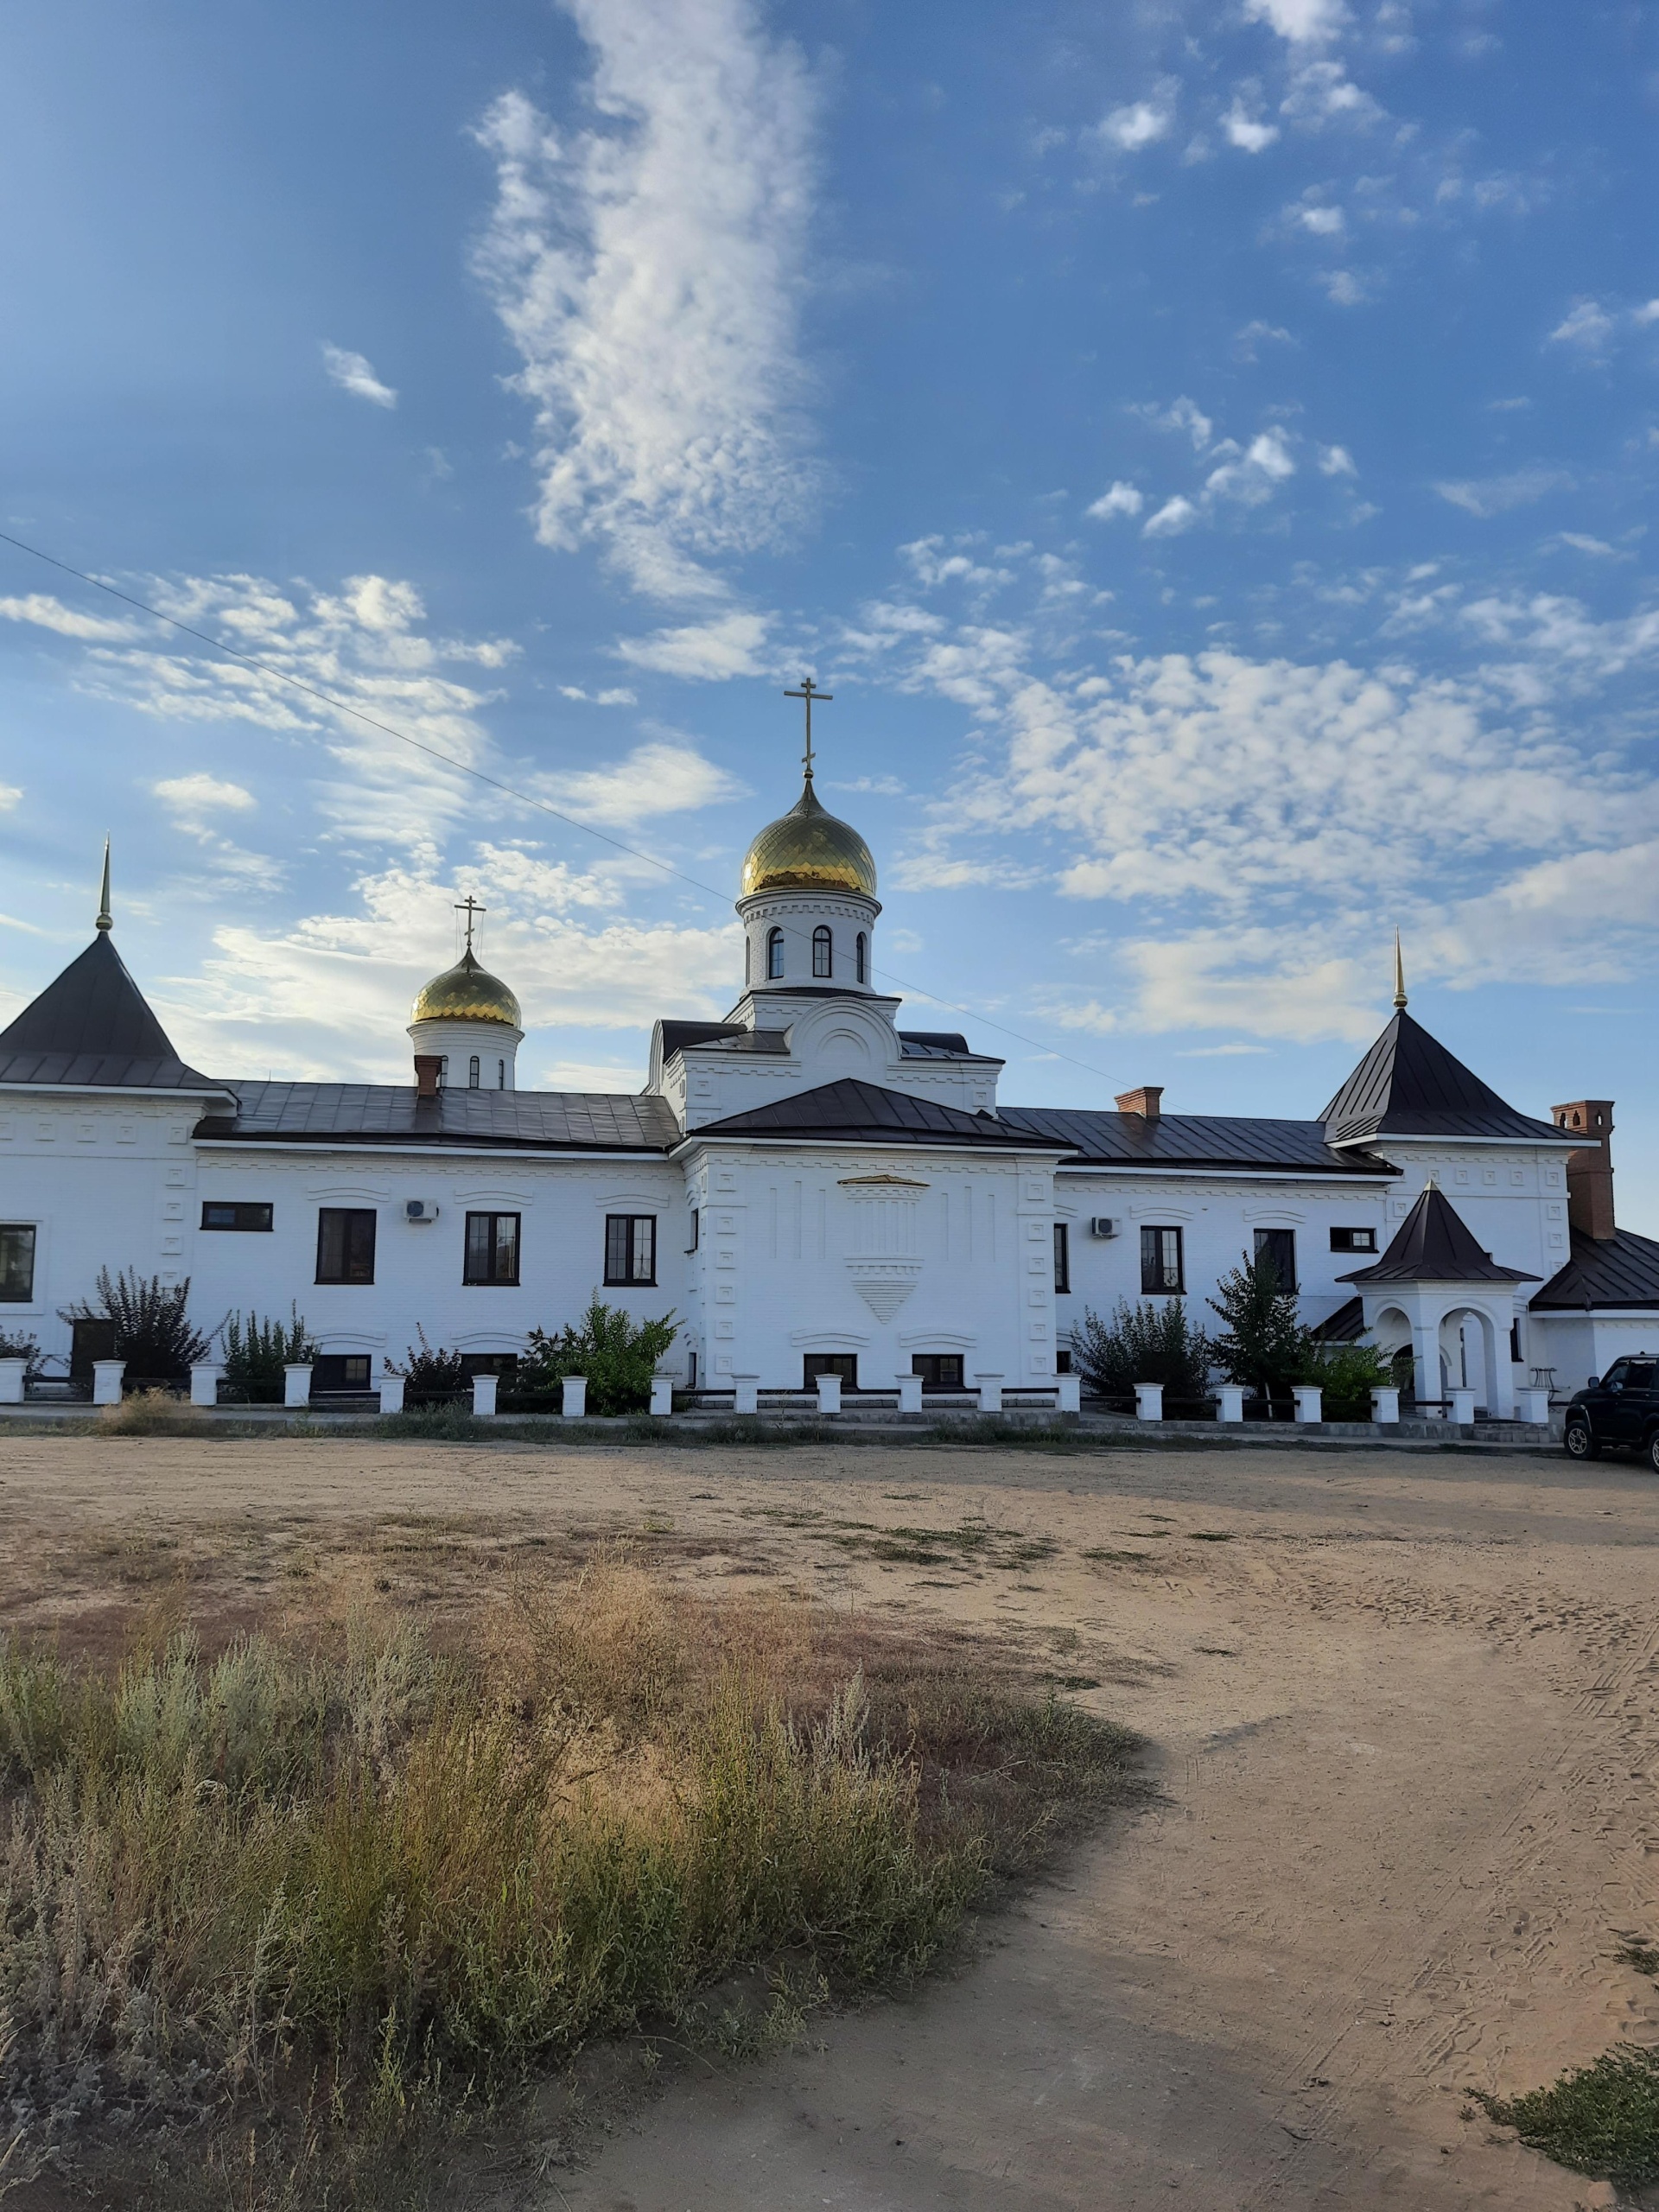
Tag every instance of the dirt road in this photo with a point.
(1401, 1709)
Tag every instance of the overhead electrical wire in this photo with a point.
(495, 782)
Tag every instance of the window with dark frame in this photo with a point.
(1279, 1245)
(472, 1073)
(1063, 1360)
(862, 957)
(823, 946)
(492, 1248)
(240, 1213)
(17, 1262)
(1062, 1257)
(1162, 1274)
(939, 1370)
(775, 955)
(500, 1075)
(345, 1243)
(1353, 1240)
(843, 1363)
(630, 1247)
(696, 1229)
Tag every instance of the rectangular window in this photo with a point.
(334, 1372)
(844, 1363)
(1161, 1271)
(215, 1214)
(1279, 1245)
(939, 1370)
(696, 1229)
(491, 1248)
(1353, 1240)
(630, 1247)
(17, 1262)
(345, 1243)
(1063, 1361)
(1062, 1256)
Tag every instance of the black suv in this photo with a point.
(1621, 1408)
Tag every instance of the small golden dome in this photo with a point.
(808, 850)
(466, 992)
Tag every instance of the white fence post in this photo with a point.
(204, 1384)
(1229, 1401)
(910, 1393)
(484, 1388)
(575, 1397)
(1532, 1405)
(1310, 1400)
(990, 1392)
(391, 1394)
(106, 1381)
(661, 1396)
(1462, 1408)
(1068, 1393)
(1149, 1401)
(1385, 1406)
(12, 1372)
(746, 1394)
(828, 1394)
(296, 1385)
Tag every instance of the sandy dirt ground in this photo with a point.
(1400, 1709)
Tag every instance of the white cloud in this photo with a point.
(194, 796)
(727, 645)
(618, 697)
(1254, 334)
(1336, 461)
(353, 374)
(9, 794)
(1499, 495)
(649, 271)
(1647, 313)
(1118, 499)
(1142, 123)
(661, 777)
(1324, 222)
(1251, 475)
(1598, 546)
(1302, 22)
(1182, 414)
(1588, 324)
(49, 614)
(1246, 130)
(1323, 93)
(1173, 517)
(1344, 288)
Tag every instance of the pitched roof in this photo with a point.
(1191, 1140)
(91, 1026)
(1434, 1243)
(380, 1113)
(722, 1036)
(934, 1044)
(863, 1113)
(1622, 1269)
(1408, 1086)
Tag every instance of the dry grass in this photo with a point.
(340, 1857)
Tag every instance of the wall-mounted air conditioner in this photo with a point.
(417, 1211)
(1102, 1224)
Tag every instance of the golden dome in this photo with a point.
(466, 992)
(808, 850)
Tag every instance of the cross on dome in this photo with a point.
(808, 692)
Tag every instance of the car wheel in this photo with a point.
(1650, 1451)
(1578, 1441)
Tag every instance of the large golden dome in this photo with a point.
(466, 992)
(808, 850)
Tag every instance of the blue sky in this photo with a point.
(1206, 449)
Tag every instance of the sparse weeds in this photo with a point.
(154, 1412)
(1602, 2119)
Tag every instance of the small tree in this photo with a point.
(434, 1371)
(1264, 1344)
(256, 1351)
(153, 1331)
(617, 1356)
(1148, 1343)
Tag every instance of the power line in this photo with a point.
(481, 775)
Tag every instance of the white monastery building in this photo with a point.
(813, 1188)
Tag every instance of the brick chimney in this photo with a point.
(1589, 1172)
(427, 1065)
(1147, 1101)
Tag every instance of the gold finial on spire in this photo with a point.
(1399, 977)
(808, 692)
(105, 919)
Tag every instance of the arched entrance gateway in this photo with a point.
(1454, 1302)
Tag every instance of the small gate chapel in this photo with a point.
(812, 1186)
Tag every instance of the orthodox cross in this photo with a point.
(808, 692)
(470, 907)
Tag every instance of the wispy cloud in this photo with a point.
(1117, 499)
(649, 271)
(1303, 22)
(708, 652)
(665, 776)
(1243, 123)
(191, 798)
(1499, 495)
(1141, 122)
(49, 614)
(354, 374)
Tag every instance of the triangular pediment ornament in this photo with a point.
(884, 1285)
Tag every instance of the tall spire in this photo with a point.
(1399, 977)
(105, 920)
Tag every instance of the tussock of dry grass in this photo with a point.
(411, 1870)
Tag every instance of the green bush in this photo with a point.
(1347, 1374)
(1148, 1343)
(153, 1331)
(256, 1351)
(431, 1371)
(617, 1356)
(23, 1348)
(1602, 2119)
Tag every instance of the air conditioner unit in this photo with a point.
(418, 1210)
(1102, 1224)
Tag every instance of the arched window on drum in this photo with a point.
(822, 953)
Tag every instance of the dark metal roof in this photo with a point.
(1345, 1326)
(369, 1112)
(1408, 1086)
(721, 1036)
(934, 1044)
(1622, 1269)
(1434, 1243)
(1191, 1141)
(863, 1113)
(91, 1026)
